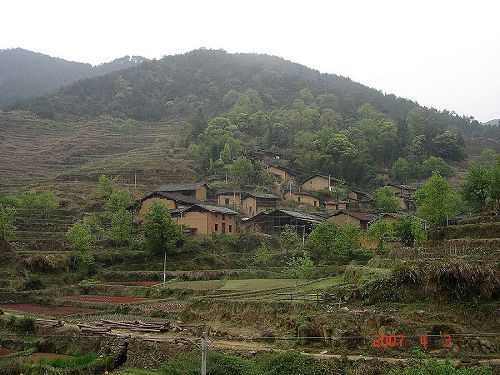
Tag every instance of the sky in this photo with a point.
(441, 53)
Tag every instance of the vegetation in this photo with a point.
(384, 200)
(7, 221)
(162, 234)
(436, 201)
(410, 230)
(380, 230)
(80, 237)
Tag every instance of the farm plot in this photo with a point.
(260, 284)
(46, 310)
(130, 283)
(200, 285)
(163, 306)
(96, 298)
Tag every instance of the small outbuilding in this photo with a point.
(301, 197)
(255, 203)
(319, 182)
(275, 221)
(361, 219)
(201, 219)
(197, 190)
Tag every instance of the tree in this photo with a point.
(346, 243)
(47, 202)
(410, 231)
(119, 199)
(400, 170)
(162, 234)
(121, 226)
(385, 200)
(300, 267)
(436, 164)
(476, 186)
(322, 239)
(242, 170)
(488, 157)
(105, 187)
(379, 230)
(494, 185)
(29, 201)
(289, 240)
(7, 221)
(80, 237)
(436, 200)
(449, 146)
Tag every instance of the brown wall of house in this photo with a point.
(335, 206)
(204, 222)
(146, 204)
(201, 193)
(250, 206)
(233, 199)
(280, 173)
(353, 195)
(315, 183)
(343, 219)
(306, 199)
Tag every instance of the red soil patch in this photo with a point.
(46, 310)
(4, 351)
(37, 357)
(104, 299)
(130, 283)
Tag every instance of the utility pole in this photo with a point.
(135, 180)
(165, 268)
(204, 353)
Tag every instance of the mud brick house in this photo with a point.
(275, 221)
(319, 182)
(201, 219)
(282, 173)
(301, 197)
(228, 197)
(171, 201)
(197, 190)
(361, 219)
(360, 199)
(402, 190)
(255, 203)
(337, 204)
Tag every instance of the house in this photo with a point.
(361, 199)
(266, 154)
(196, 190)
(337, 204)
(301, 197)
(319, 182)
(402, 190)
(254, 203)
(342, 217)
(171, 201)
(202, 219)
(389, 217)
(275, 221)
(229, 197)
(283, 173)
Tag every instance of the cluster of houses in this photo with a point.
(231, 211)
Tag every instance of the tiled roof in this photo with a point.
(173, 196)
(261, 195)
(356, 214)
(206, 207)
(180, 186)
(332, 179)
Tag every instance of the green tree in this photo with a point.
(7, 221)
(346, 243)
(300, 267)
(162, 234)
(476, 186)
(289, 240)
(494, 185)
(436, 200)
(400, 170)
(80, 237)
(119, 199)
(47, 202)
(384, 200)
(436, 164)
(29, 201)
(121, 226)
(105, 187)
(488, 158)
(450, 146)
(323, 239)
(242, 170)
(379, 230)
(410, 231)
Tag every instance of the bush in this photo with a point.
(292, 363)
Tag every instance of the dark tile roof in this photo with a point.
(261, 195)
(179, 198)
(300, 193)
(356, 214)
(181, 186)
(205, 207)
(295, 214)
(286, 169)
(227, 191)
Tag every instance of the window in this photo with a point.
(315, 203)
(223, 228)
(223, 217)
(226, 200)
(230, 228)
(298, 199)
(216, 227)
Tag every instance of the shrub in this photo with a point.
(292, 363)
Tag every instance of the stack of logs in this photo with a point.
(49, 323)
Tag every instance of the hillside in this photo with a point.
(26, 74)
(210, 79)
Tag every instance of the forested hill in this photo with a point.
(212, 80)
(25, 74)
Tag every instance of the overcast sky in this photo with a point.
(441, 53)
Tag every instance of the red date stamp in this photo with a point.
(391, 340)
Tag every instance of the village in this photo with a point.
(203, 211)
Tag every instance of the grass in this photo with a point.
(134, 371)
(260, 284)
(201, 285)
